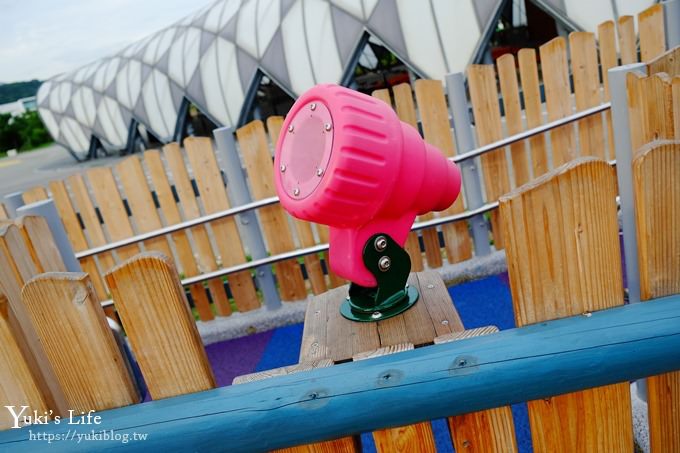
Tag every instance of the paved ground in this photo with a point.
(38, 167)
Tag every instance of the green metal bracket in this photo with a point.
(390, 265)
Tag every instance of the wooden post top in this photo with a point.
(327, 335)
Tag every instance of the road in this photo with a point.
(35, 168)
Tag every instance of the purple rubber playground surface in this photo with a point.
(480, 303)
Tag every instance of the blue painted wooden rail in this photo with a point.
(515, 365)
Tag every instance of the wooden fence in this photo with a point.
(570, 211)
(160, 188)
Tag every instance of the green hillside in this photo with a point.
(10, 92)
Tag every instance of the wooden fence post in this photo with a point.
(71, 326)
(170, 211)
(252, 139)
(150, 301)
(564, 259)
(558, 98)
(652, 32)
(16, 267)
(214, 197)
(484, 99)
(18, 387)
(657, 196)
(434, 116)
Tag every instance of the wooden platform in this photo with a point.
(327, 335)
(329, 338)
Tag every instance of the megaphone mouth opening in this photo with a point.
(306, 150)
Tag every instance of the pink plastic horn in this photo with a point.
(344, 159)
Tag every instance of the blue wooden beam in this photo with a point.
(515, 365)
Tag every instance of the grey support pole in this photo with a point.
(239, 194)
(472, 184)
(624, 158)
(46, 209)
(13, 201)
(671, 10)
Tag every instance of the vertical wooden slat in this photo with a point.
(16, 267)
(204, 253)
(668, 62)
(4, 215)
(303, 228)
(252, 139)
(89, 367)
(675, 92)
(484, 99)
(563, 260)
(17, 385)
(40, 243)
(606, 36)
(214, 197)
(34, 194)
(412, 245)
(111, 208)
(155, 314)
(75, 233)
(657, 195)
(585, 72)
(652, 34)
(650, 106)
(528, 72)
(434, 116)
(627, 41)
(170, 211)
(143, 210)
(405, 108)
(507, 75)
(558, 98)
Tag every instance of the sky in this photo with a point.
(42, 38)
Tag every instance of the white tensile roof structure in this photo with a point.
(214, 58)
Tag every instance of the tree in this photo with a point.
(22, 132)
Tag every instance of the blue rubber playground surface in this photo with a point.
(480, 303)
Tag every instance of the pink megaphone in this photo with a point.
(344, 159)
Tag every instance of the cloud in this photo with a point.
(42, 38)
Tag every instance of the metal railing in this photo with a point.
(250, 265)
(273, 200)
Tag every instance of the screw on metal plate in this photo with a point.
(384, 263)
(327, 126)
(376, 315)
(290, 128)
(312, 106)
(296, 191)
(380, 243)
(319, 172)
(282, 168)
